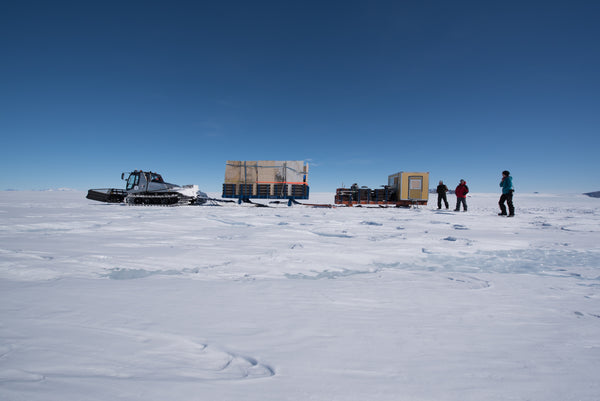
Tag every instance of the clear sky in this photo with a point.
(358, 89)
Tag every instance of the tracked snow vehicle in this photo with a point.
(149, 188)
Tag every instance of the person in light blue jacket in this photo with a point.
(507, 195)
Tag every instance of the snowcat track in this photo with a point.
(148, 199)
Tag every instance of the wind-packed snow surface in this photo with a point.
(110, 302)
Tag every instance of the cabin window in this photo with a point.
(132, 181)
(416, 183)
(156, 178)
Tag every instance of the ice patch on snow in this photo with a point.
(459, 227)
(370, 223)
(563, 263)
(131, 274)
(328, 274)
(332, 235)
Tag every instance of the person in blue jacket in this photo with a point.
(507, 195)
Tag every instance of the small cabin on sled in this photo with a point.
(402, 189)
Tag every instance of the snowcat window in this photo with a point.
(156, 178)
(132, 181)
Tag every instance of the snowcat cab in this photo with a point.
(145, 182)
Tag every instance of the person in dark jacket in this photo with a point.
(461, 192)
(507, 195)
(441, 192)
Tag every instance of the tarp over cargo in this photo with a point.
(266, 172)
(266, 179)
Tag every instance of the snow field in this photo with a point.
(112, 302)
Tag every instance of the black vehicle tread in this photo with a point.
(155, 199)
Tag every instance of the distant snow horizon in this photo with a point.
(593, 194)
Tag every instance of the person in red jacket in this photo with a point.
(461, 192)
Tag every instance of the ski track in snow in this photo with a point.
(120, 354)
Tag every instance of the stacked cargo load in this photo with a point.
(266, 179)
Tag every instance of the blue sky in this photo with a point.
(358, 89)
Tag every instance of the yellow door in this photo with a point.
(415, 187)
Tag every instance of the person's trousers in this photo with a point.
(458, 203)
(440, 198)
(508, 198)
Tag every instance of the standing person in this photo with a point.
(461, 192)
(507, 195)
(441, 191)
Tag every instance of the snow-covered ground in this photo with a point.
(109, 302)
